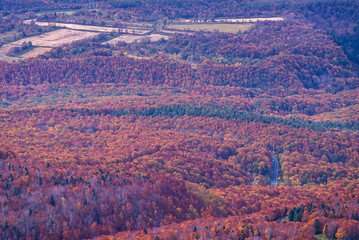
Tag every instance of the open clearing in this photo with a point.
(4, 50)
(249, 20)
(45, 42)
(135, 38)
(172, 32)
(35, 52)
(90, 28)
(233, 20)
(56, 38)
(221, 27)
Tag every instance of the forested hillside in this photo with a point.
(137, 129)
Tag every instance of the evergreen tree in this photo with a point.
(52, 200)
(291, 214)
(317, 227)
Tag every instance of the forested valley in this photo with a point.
(142, 119)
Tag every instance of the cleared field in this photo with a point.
(135, 38)
(35, 52)
(4, 50)
(90, 28)
(172, 32)
(57, 38)
(125, 38)
(157, 37)
(233, 20)
(78, 27)
(249, 20)
(221, 27)
(136, 57)
(45, 42)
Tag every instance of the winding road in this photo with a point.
(275, 171)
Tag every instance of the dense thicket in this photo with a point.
(176, 140)
(75, 172)
(155, 72)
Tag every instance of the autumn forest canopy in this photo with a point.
(179, 119)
